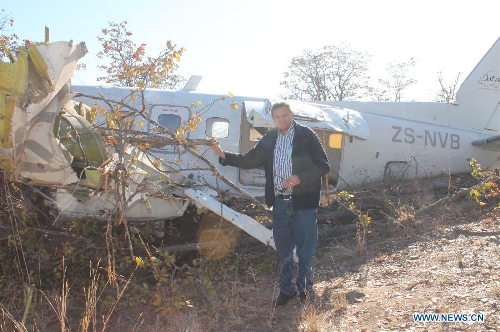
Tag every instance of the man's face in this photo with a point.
(282, 118)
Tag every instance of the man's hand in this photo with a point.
(216, 148)
(292, 181)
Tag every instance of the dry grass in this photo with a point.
(89, 319)
(313, 319)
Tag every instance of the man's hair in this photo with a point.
(279, 105)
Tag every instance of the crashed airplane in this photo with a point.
(366, 142)
(47, 140)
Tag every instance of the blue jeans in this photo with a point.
(294, 229)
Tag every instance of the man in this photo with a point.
(294, 162)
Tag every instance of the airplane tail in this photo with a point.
(479, 95)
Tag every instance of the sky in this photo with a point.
(244, 47)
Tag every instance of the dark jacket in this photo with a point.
(309, 163)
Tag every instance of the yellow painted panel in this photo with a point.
(13, 76)
(13, 83)
(40, 65)
(5, 122)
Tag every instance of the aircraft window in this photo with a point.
(169, 121)
(217, 127)
(335, 141)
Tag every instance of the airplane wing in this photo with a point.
(491, 143)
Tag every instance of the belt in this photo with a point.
(284, 196)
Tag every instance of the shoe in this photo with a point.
(283, 298)
(305, 297)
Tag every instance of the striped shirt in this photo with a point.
(283, 161)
